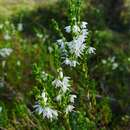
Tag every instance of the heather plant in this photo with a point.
(80, 78)
(55, 95)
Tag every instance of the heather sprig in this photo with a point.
(55, 98)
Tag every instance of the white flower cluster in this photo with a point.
(70, 52)
(47, 112)
(62, 82)
(70, 107)
(75, 47)
(5, 52)
(44, 109)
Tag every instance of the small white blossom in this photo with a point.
(85, 32)
(69, 108)
(38, 108)
(58, 98)
(57, 83)
(76, 29)
(4, 52)
(71, 63)
(67, 61)
(91, 50)
(81, 38)
(65, 84)
(76, 47)
(61, 43)
(50, 113)
(84, 25)
(46, 112)
(72, 98)
(68, 29)
(74, 63)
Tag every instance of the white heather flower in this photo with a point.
(114, 66)
(77, 47)
(81, 38)
(20, 27)
(4, 52)
(91, 50)
(50, 113)
(65, 84)
(61, 43)
(38, 108)
(7, 36)
(67, 61)
(46, 112)
(61, 74)
(68, 29)
(57, 83)
(76, 29)
(69, 108)
(84, 25)
(85, 32)
(72, 98)
(71, 63)
(58, 98)
(1, 109)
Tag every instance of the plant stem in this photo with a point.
(66, 123)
